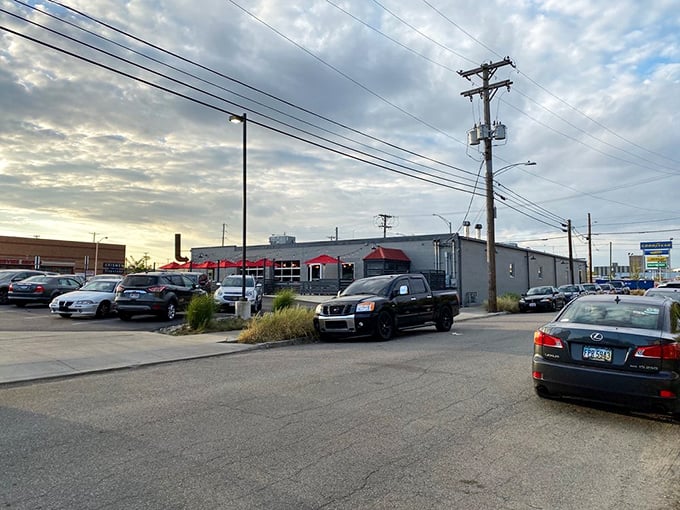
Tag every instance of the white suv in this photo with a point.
(231, 288)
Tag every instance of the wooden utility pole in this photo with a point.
(590, 253)
(487, 91)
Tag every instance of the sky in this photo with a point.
(115, 121)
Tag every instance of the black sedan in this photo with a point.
(545, 298)
(40, 289)
(620, 349)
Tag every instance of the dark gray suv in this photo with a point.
(154, 293)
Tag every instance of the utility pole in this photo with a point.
(567, 229)
(590, 253)
(487, 91)
(384, 225)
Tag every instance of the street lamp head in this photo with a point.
(237, 119)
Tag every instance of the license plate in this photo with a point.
(597, 354)
(532, 305)
(133, 295)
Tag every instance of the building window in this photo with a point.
(511, 270)
(315, 272)
(540, 272)
(287, 271)
(347, 272)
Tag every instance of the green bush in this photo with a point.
(283, 324)
(283, 299)
(506, 303)
(200, 312)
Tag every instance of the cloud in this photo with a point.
(84, 149)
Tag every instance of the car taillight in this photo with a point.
(546, 340)
(120, 288)
(665, 351)
(157, 289)
(39, 289)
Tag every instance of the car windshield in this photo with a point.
(568, 288)
(614, 313)
(373, 286)
(7, 276)
(237, 281)
(100, 286)
(536, 291)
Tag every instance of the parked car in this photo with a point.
(231, 290)
(381, 305)
(154, 293)
(542, 298)
(200, 279)
(671, 284)
(7, 276)
(94, 299)
(621, 288)
(608, 288)
(621, 349)
(669, 292)
(40, 289)
(592, 288)
(571, 291)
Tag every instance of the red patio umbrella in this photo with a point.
(208, 264)
(169, 266)
(185, 265)
(262, 262)
(225, 264)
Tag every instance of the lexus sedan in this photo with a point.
(620, 349)
(94, 299)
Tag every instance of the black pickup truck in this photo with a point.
(381, 305)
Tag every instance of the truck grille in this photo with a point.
(338, 309)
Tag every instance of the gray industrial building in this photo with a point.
(449, 260)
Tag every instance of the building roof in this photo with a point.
(381, 253)
(323, 259)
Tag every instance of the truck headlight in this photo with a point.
(318, 309)
(366, 306)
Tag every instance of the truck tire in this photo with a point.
(384, 326)
(445, 319)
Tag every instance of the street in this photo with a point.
(427, 420)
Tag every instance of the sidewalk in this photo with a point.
(35, 355)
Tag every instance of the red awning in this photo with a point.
(322, 259)
(381, 253)
(185, 265)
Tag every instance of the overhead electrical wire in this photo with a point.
(239, 82)
(473, 192)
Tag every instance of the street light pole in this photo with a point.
(445, 221)
(242, 119)
(96, 254)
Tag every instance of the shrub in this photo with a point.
(506, 303)
(283, 324)
(200, 312)
(283, 299)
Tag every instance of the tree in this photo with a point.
(139, 265)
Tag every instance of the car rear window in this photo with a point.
(621, 314)
(140, 281)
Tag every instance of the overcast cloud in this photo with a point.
(594, 102)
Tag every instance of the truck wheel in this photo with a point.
(384, 326)
(445, 319)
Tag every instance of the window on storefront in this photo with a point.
(287, 271)
(347, 272)
(511, 270)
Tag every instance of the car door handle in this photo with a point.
(413, 298)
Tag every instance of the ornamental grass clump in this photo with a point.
(284, 324)
(200, 312)
(283, 299)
